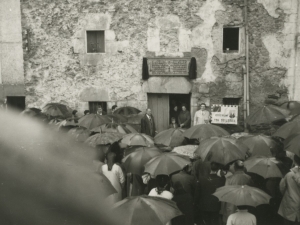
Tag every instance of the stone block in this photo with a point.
(111, 46)
(79, 46)
(184, 40)
(94, 94)
(92, 59)
(153, 41)
(233, 77)
(203, 88)
(205, 100)
(81, 106)
(110, 35)
(97, 21)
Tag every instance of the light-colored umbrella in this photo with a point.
(259, 144)
(137, 139)
(135, 161)
(186, 150)
(264, 166)
(242, 195)
(146, 210)
(222, 150)
(267, 114)
(204, 131)
(166, 164)
(288, 129)
(171, 137)
(103, 139)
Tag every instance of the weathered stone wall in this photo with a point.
(57, 67)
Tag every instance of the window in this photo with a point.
(95, 41)
(231, 101)
(93, 106)
(230, 39)
(16, 102)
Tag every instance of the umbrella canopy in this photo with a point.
(242, 195)
(135, 118)
(288, 129)
(166, 164)
(93, 120)
(259, 144)
(171, 137)
(186, 150)
(137, 139)
(114, 127)
(292, 144)
(117, 118)
(79, 133)
(135, 161)
(46, 178)
(31, 112)
(67, 124)
(57, 110)
(103, 139)
(204, 131)
(264, 166)
(292, 106)
(127, 110)
(267, 114)
(222, 150)
(146, 210)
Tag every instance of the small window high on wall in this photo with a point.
(231, 101)
(230, 39)
(95, 41)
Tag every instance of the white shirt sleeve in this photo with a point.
(120, 175)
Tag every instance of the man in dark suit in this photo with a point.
(147, 124)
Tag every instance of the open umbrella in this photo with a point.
(79, 133)
(146, 210)
(67, 124)
(292, 106)
(103, 139)
(114, 127)
(93, 120)
(135, 118)
(46, 178)
(127, 110)
(186, 150)
(135, 161)
(171, 137)
(31, 112)
(259, 144)
(221, 150)
(264, 166)
(242, 195)
(166, 163)
(204, 131)
(137, 139)
(288, 129)
(117, 118)
(57, 110)
(292, 144)
(267, 114)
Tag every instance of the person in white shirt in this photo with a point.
(160, 190)
(202, 116)
(241, 217)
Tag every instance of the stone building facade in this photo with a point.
(57, 67)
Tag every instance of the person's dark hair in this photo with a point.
(113, 107)
(162, 182)
(297, 160)
(242, 207)
(86, 112)
(115, 148)
(280, 155)
(214, 166)
(74, 112)
(174, 107)
(239, 165)
(203, 104)
(183, 105)
(111, 160)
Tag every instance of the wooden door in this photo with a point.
(159, 105)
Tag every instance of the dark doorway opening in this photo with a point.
(178, 100)
(93, 106)
(16, 102)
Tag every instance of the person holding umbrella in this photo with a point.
(241, 217)
(161, 189)
(290, 188)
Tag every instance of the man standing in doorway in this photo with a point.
(184, 118)
(202, 116)
(147, 124)
(100, 111)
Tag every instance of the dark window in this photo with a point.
(230, 39)
(231, 101)
(16, 102)
(95, 41)
(93, 106)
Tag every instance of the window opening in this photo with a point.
(95, 41)
(93, 106)
(231, 101)
(230, 39)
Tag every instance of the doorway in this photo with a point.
(162, 106)
(16, 102)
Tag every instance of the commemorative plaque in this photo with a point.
(168, 66)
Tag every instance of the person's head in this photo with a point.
(100, 154)
(111, 160)
(242, 207)
(297, 160)
(86, 112)
(237, 166)
(214, 167)
(113, 108)
(183, 107)
(175, 108)
(202, 106)
(281, 154)
(173, 120)
(74, 112)
(99, 110)
(162, 183)
(148, 111)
